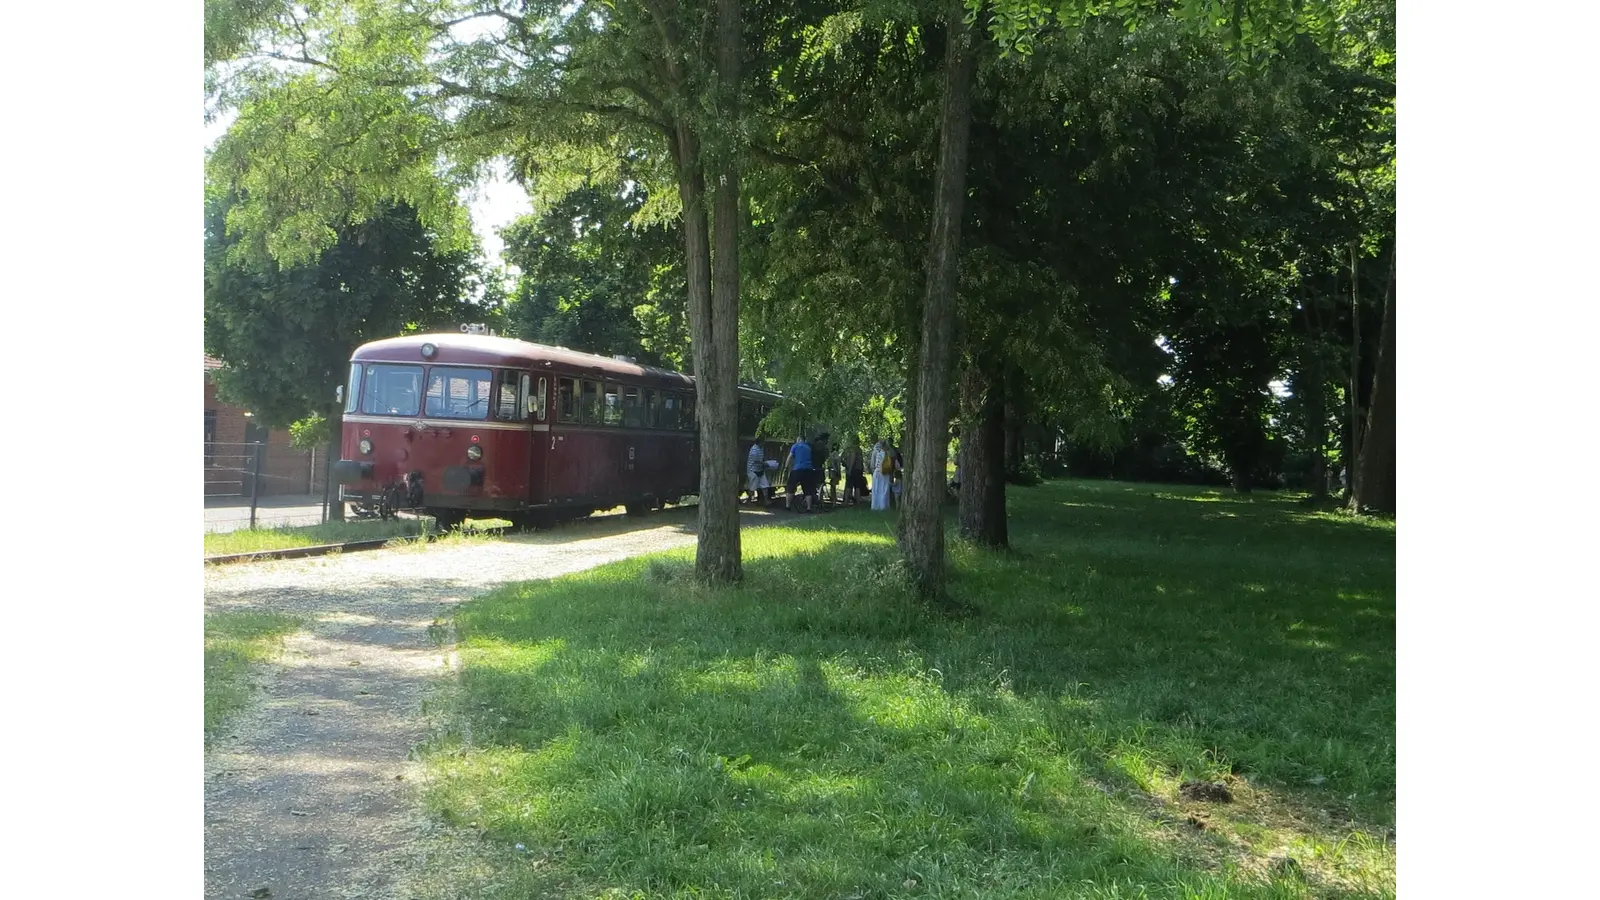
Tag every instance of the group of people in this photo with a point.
(816, 471)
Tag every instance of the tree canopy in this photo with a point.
(1144, 237)
(285, 334)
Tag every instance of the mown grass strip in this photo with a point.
(255, 540)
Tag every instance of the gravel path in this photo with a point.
(310, 792)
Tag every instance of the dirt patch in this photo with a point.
(1205, 792)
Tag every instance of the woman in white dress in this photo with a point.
(880, 481)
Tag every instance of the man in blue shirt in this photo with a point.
(800, 472)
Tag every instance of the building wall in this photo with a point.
(228, 466)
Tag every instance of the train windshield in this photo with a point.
(458, 393)
(352, 391)
(389, 390)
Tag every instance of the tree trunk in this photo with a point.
(922, 520)
(983, 462)
(717, 552)
(909, 424)
(1373, 484)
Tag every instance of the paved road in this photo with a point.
(231, 514)
(310, 793)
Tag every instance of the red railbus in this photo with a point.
(458, 425)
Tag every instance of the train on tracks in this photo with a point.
(474, 425)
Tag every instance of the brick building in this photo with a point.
(229, 434)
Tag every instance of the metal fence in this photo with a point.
(246, 487)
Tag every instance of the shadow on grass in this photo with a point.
(815, 733)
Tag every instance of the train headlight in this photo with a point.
(365, 447)
(475, 453)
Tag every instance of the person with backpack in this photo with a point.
(882, 473)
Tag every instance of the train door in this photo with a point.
(637, 461)
(678, 467)
(654, 463)
(615, 455)
(563, 473)
(536, 394)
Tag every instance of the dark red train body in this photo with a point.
(458, 425)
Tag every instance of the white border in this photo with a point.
(1497, 441)
(102, 241)
(1497, 444)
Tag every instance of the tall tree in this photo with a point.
(716, 328)
(921, 515)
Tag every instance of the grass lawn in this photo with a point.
(235, 641)
(252, 540)
(814, 733)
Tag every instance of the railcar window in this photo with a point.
(632, 414)
(591, 403)
(669, 410)
(687, 422)
(539, 398)
(567, 401)
(613, 407)
(391, 390)
(352, 391)
(509, 407)
(652, 409)
(458, 393)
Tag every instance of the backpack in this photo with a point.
(887, 467)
